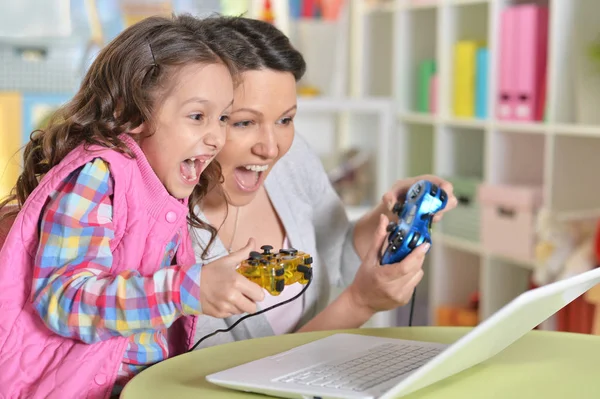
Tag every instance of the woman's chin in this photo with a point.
(240, 198)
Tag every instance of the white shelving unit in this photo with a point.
(559, 154)
(376, 115)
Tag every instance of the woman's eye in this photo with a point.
(197, 117)
(224, 118)
(286, 121)
(242, 124)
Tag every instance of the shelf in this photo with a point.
(420, 5)
(575, 216)
(330, 104)
(417, 43)
(466, 32)
(418, 118)
(475, 248)
(457, 243)
(467, 2)
(517, 127)
(459, 152)
(453, 284)
(420, 139)
(517, 158)
(502, 281)
(577, 130)
(558, 154)
(520, 263)
(466, 122)
(575, 76)
(575, 185)
(384, 7)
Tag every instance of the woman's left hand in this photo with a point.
(367, 225)
(375, 287)
(400, 189)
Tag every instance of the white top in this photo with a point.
(315, 221)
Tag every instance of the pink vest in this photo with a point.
(35, 362)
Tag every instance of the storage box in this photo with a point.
(508, 215)
(456, 316)
(464, 220)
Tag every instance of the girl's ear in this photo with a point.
(138, 129)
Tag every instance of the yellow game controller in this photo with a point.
(273, 271)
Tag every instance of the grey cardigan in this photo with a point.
(315, 222)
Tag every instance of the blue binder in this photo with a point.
(481, 83)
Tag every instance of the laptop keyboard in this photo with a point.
(376, 366)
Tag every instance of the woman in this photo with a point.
(276, 191)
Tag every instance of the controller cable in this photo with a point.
(412, 307)
(254, 314)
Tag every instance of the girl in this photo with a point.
(99, 251)
(278, 192)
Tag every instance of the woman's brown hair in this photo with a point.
(118, 93)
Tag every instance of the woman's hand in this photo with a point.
(377, 288)
(366, 226)
(400, 189)
(223, 291)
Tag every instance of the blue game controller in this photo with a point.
(415, 217)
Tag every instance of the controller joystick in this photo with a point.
(391, 226)
(255, 255)
(397, 208)
(266, 249)
(415, 219)
(273, 271)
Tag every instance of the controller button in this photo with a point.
(413, 242)
(397, 209)
(279, 285)
(443, 196)
(391, 226)
(308, 274)
(279, 272)
(308, 261)
(255, 255)
(415, 191)
(434, 189)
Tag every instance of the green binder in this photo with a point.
(426, 71)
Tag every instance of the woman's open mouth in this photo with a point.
(249, 177)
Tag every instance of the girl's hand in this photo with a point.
(377, 288)
(223, 291)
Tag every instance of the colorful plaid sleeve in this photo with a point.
(75, 292)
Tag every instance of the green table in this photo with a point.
(542, 365)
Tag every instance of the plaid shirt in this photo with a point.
(75, 293)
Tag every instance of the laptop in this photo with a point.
(360, 366)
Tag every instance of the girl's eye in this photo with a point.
(242, 124)
(197, 117)
(224, 118)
